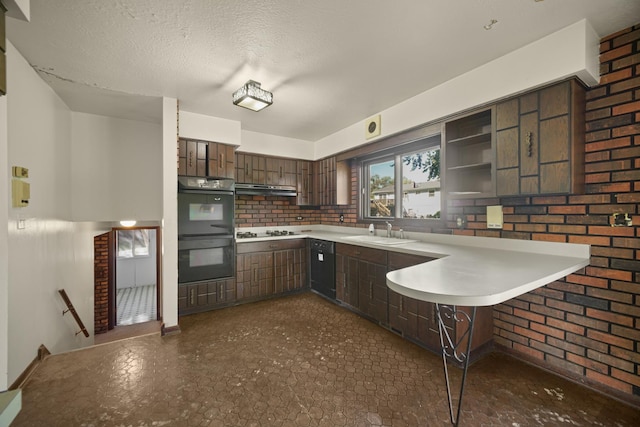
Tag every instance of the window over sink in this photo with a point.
(402, 182)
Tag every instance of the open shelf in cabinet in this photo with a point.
(469, 155)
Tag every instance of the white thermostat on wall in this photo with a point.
(372, 127)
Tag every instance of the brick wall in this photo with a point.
(101, 283)
(273, 211)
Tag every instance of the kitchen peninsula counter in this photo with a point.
(469, 271)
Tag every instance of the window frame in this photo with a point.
(133, 232)
(397, 152)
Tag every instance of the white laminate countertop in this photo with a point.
(468, 271)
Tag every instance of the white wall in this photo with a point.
(19, 9)
(138, 271)
(169, 214)
(50, 253)
(569, 52)
(207, 128)
(272, 145)
(4, 247)
(116, 169)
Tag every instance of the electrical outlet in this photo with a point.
(341, 218)
(620, 220)
(299, 218)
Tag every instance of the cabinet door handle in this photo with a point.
(255, 276)
(529, 144)
(246, 169)
(190, 158)
(192, 296)
(221, 160)
(280, 171)
(221, 295)
(370, 290)
(401, 303)
(273, 246)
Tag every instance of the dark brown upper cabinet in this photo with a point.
(304, 183)
(540, 142)
(205, 158)
(281, 171)
(192, 157)
(331, 182)
(250, 168)
(221, 160)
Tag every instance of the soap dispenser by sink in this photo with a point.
(372, 230)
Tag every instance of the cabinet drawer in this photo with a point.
(269, 246)
(377, 256)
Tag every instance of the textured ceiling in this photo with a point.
(329, 63)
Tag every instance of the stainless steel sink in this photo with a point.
(378, 240)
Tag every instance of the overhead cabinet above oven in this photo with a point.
(205, 159)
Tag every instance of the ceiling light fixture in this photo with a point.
(251, 96)
(128, 222)
(490, 24)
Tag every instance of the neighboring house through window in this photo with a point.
(403, 182)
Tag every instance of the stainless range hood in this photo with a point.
(265, 190)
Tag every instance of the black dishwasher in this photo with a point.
(323, 268)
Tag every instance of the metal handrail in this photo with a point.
(73, 311)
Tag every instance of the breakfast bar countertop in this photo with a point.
(471, 271)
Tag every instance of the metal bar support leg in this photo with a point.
(451, 349)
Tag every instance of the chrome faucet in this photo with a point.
(388, 228)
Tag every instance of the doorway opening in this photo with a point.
(136, 276)
(127, 281)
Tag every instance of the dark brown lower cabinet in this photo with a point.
(290, 268)
(254, 274)
(264, 269)
(413, 319)
(204, 296)
(361, 280)
(418, 320)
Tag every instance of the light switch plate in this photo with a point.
(494, 216)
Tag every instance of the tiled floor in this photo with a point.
(136, 304)
(295, 361)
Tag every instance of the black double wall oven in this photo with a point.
(206, 245)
